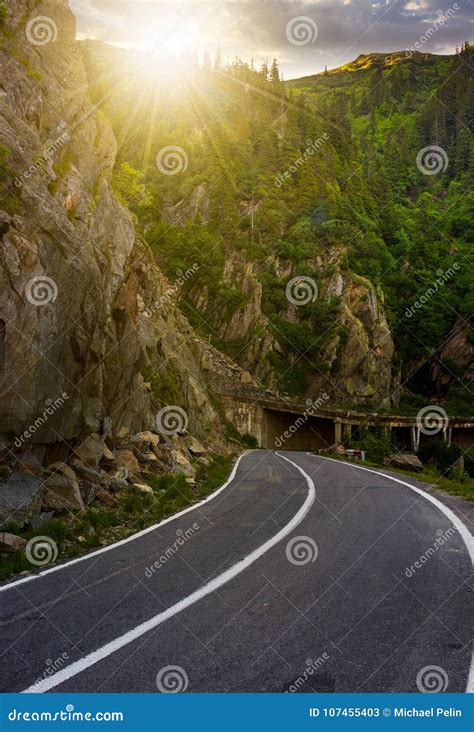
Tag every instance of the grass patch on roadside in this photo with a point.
(98, 525)
(462, 486)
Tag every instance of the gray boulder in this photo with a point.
(20, 499)
(61, 489)
(405, 462)
(10, 543)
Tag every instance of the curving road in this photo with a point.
(302, 573)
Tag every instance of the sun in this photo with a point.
(181, 41)
(171, 36)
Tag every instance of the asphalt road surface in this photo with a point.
(301, 574)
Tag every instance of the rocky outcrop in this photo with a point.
(456, 355)
(365, 353)
(31, 495)
(82, 348)
(359, 363)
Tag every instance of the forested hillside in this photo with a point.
(323, 179)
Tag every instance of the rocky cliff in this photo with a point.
(358, 357)
(91, 339)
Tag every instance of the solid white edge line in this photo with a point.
(132, 537)
(460, 527)
(92, 658)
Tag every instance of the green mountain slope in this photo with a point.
(313, 178)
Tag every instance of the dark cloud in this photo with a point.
(258, 28)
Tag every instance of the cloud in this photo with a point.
(249, 28)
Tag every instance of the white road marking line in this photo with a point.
(109, 548)
(460, 527)
(92, 658)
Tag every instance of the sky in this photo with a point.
(304, 35)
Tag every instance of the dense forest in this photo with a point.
(303, 177)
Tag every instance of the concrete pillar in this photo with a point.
(346, 430)
(450, 436)
(337, 432)
(415, 438)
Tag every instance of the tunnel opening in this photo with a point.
(293, 431)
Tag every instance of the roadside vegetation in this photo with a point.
(99, 526)
(450, 469)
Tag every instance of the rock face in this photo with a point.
(76, 338)
(359, 364)
(457, 349)
(366, 353)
